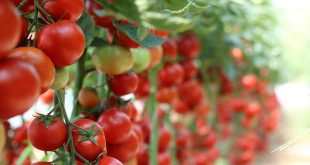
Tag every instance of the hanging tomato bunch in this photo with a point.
(151, 84)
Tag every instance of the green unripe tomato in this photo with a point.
(112, 60)
(142, 59)
(61, 78)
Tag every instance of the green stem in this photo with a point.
(154, 128)
(39, 7)
(80, 74)
(173, 150)
(101, 84)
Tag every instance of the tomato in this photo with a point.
(11, 27)
(64, 9)
(105, 21)
(27, 8)
(161, 33)
(125, 151)
(65, 33)
(61, 78)
(40, 61)
(249, 82)
(164, 139)
(237, 54)
(143, 89)
(2, 138)
(190, 68)
(156, 56)
(113, 60)
(171, 74)
(88, 149)
(210, 140)
(88, 97)
(23, 34)
(180, 106)
(191, 92)
(107, 160)
(142, 59)
(189, 46)
(112, 120)
(164, 158)
(20, 135)
(123, 84)
(166, 95)
(131, 111)
(143, 155)
(42, 163)
(47, 137)
(47, 97)
(139, 132)
(170, 49)
(202, 109)
(15, 98)
(252, 109)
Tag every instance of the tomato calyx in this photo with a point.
(89, 134)
(46, 119)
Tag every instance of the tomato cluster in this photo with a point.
(133, 102)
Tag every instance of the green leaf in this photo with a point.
(132, 31)
(27, 152)
(88, 26)
(142, 32)
(98, 42)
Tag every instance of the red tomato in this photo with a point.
(180, 106)
(11, 27)
(112, 120)
(42, 163)
(156, 56)
(190, 68)
(236, 53)
(107, 160)
(47, 137)
(170, 49)
(40, 61)
(171, 74)
(47, 97)
(88, 149)
(88, 97)
(64, 9)
(16, 98)
(249, 82)
(189, 46)
(191, 92)
(125, 151)
(143, 89)
(161, 33)
(123, 84)
(202, 109)
(67, 34)
(164, 158)
(143, 155)
(139, 132)
(164, 139)
(210, 140)
(27, 8)
(20, 135)
(166, 95)
(23, 34)
(131, 111)
(252, 109)
(105, 21)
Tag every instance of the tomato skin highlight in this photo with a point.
(47, 138)
(124, 152)
(123, 84)
(11, 27)
(40, 61)
(16, 98)
(65, 33)
(112, 120)
(107, 160)
(88, 149)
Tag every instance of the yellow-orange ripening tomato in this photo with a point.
(40, 61)
(88, 97)
(19, 85)
(11, 27)
(113, 60)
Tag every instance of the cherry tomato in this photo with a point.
(156, 56)
(143, 89)
(166, 95)
(171, 74)
(139, 132)
(11, 27)
(40, 61)
(16, 98)
(164, 139)
(65, 33)
(190, 68)
(125, 151)
(64, 9)
(42, 163)
(86, 148)
(180, 106)
(23, 34)
(20, 135)
(237, 54)
(88, 97)
(104, 21)
(164, 158)
(161, 33)
(249, 82)
(47, 137)
(123, 84)
(189, 46)
(107, 160)
(191, 92)
(143, 155)
(112, 120)
(27, 8)
(131, 111)
(252, 109)
(47, 97)
(61, 78)
(113, 60)
(170, 49)
(142, 59)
